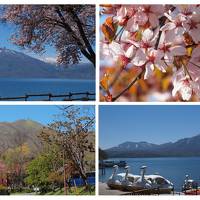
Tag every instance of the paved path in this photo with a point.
(104, 190)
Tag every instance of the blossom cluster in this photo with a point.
(156, 36)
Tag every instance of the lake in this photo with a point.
(20, 87)
(174, 169)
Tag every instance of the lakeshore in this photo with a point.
(105, 190)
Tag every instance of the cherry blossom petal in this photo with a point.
(168, 26)
(196, 52)
(139, 58)
(130, 52)
(186, 91)
(147, 35)
(141, 18)
(148, 70)
(176, 88)
(116, 48)
(153, 19)
(157, 9)
(161, 65)
(196, 88)
(122, 12)
(179, 31)
(178, 50)
(195, 34)
(169, 58)
(159, 54)
(131, 25)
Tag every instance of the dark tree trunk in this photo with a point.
(88, 51)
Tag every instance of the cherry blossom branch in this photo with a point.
(162, 22)
(129, 86)
(119, 32)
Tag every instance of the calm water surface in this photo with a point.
(173, 169)
(20, 87)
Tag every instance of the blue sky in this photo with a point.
(6, 30)
(155, 124)
(43, 114)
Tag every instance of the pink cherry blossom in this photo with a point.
(159, 36)
(149, 38)
(153, 13)
(170, 49)
(175, 25)
(188, 83)
(192, 26)
(119, 52)
(183, 84)
(151, 59)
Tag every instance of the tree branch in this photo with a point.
(128, 87)
(82, 33)
(71, 32)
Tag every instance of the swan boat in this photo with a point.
(149, 183)
(119, 181)
(136, 183)
(159, 184)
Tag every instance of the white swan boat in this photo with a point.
(128, 179)
(138, 183)
(129, 182)
(114, 182)
(121, 180)
(160, 184)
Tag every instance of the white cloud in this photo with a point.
(51, 60)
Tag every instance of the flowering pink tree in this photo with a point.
(139, 41)
(69, 28)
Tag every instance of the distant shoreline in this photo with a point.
(184, 156)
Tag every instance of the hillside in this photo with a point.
(20, 132)
(18, 65)
(183, 147)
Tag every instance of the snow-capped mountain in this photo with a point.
(14, 64)
(183, 147)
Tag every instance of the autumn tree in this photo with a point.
(70, 131)
(68, 28)
(16, 159)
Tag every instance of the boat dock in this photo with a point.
(105, 190)
(111, 163)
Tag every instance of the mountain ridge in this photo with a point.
(189, 146)
(15, 64)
